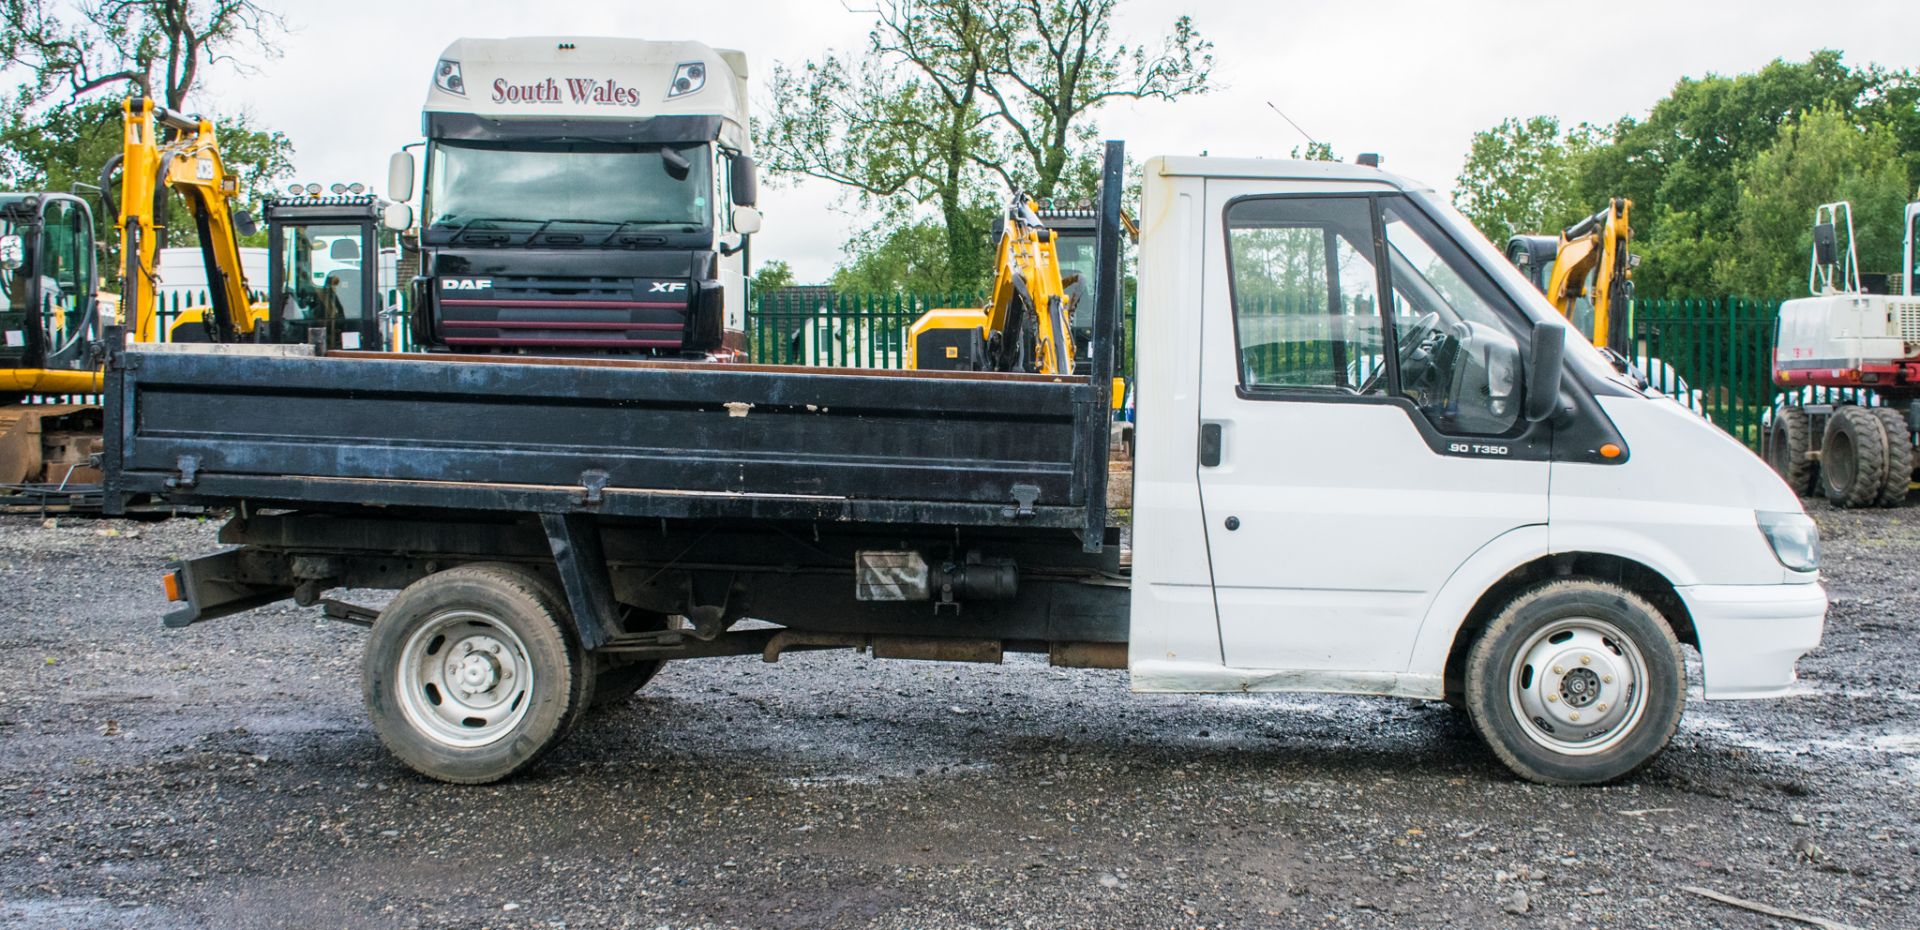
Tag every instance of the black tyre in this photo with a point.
(472, 674)
(1899, 474)
(1576, 682)
(1790, 448)
(617, 678)
(1853, 458)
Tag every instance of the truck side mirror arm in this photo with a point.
(1546, 368)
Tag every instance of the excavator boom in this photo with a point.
(184, 158)
(1026, 323)
(1591, 266)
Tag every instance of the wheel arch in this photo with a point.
(1633, 575)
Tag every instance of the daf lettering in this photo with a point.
(466, 284)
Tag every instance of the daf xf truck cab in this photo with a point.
(584, 195)
(1369, 460)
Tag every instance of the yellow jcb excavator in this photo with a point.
(50, 351)
(1587, 273)
(1025, 324)
(186, 160)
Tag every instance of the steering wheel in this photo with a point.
(1413, 338)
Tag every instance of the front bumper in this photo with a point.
(1751, 635)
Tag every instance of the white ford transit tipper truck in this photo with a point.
(1369, 461)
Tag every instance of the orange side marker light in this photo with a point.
(171, 582)
(1609, 451)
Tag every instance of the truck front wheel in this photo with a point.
(1576, 682)
(472, 675)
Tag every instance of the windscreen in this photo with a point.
(659, 187)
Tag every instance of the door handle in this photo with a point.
(1210, 445)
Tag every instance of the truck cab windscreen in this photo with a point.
(576, 194)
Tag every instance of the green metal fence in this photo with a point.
(821, 328)
(1715, 356)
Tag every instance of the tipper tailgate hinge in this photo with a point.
(592, 485)
(1023, 497)
(188, 472)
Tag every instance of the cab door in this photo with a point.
(325, 273)
(1359, 391)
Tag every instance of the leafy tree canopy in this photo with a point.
(1695, 167)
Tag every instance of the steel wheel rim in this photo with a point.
(1578, 686)
(465, 679)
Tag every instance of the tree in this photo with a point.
(909, 257)
(955, 104)
(1679, 165)
(900, 125)
(65, 120)
(1519, 178)
(1819, 158)
(155, 47)
(772, 276)
(1050, 64)
(1686, 165)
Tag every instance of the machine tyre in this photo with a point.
(1899, 474)
(1853, 457)
(1566, 649)
(474, 673)
(1790, 447)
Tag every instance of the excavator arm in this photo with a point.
(1026, 323)
(184, 158)
(1594, 262)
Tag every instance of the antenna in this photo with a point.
(1296, 126)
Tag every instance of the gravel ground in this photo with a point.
(225, 776)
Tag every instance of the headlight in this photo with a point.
(687, 78)
(1794, 537)
(446, 76)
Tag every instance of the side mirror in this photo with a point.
(13, 253)
(243, 223)
(396, 216)
(746, 182)
(1546, 368)
(1825, 244)
(400, 176)
(746, 220)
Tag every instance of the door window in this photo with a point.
(65, 270)
(1305, 294)
(1459, 361)
(321, 273)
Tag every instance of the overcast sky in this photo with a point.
(1411, 80)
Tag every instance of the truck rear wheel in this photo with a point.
(1790, 448)
(1853, 457)
(472, 674)
(1899, 476)
(1576, 683)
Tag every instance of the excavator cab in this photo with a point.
(48, 279)
(323, 261)
(1534, 256)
